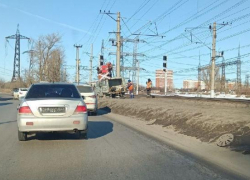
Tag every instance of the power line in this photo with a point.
(218, 15)
(145, 13)
(138, 10)
(197, 15)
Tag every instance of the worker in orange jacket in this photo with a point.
(130, 88)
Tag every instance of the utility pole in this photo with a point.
(102, 48)
(138, 77)
(77, 63)
(238, 78)
(223, 76)
(247, 83)
(165, 74)
(91, 60)
(16, 69)
(213, 62)
(136, 40)
(199, 76)
(118, 40)
(118, 51)
(122, 57)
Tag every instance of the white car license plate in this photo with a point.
(53, 110)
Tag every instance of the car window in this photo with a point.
(53, 91)
(85, 89)
(23, 89)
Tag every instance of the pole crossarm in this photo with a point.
(29, 51)
(73, 67)
(129, 40)
(230, 63)
(109, 14)
(127, 54)
(131, 68)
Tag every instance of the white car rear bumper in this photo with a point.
(53, 124)
(91, 106)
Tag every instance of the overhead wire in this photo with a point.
(216, 16)
(163, 15)
(144, 14)
(92, 23)
(138, 10)
(196, 15)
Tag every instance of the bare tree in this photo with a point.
(2, 82)
(55, 65)
(206, 77)
(48, 58)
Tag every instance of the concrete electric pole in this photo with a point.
(77, 63)
(118, 40)
(118, 51)
(134, 54)
(213, 61)
(138, 77)
(90, 61)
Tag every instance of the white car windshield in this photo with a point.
(23, 89)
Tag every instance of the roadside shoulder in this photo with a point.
(224, 158)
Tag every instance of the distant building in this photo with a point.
(193, 84)
(160, 79)
(231, 85)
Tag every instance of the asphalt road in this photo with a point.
(112, 151)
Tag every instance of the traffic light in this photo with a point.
(101, 60)
(164, 63)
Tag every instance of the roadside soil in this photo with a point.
(232, 162)
(205, 120)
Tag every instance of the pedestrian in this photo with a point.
(149, 87)
(130, 88)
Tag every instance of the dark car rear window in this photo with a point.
(84, 89)
(53, 91)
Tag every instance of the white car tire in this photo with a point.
(22, 136)
(82, 135)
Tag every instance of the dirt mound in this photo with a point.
(202, 119)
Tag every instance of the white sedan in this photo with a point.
(52, 107)
(89, 97)
(20, 93)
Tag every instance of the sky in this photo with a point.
(176, 28)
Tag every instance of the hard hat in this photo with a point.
(129, 80)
